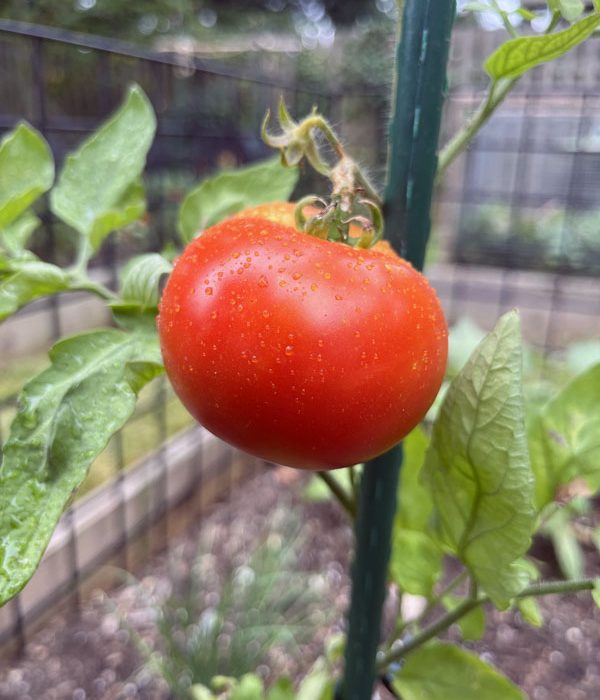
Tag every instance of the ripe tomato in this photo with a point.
(298, 350)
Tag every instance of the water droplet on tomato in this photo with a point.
(289, 350)
(235, 255)
(282, 283)
(338, 297)
(263, 281)
(296, 275)
(208, 291)
(314, 287)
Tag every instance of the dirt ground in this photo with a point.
(102, 652)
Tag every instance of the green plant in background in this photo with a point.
(476, 487)
(224, 623)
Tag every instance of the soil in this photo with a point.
(108, 650)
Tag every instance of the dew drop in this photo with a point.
(289, 350)
(296, 275)
(314, 287)
(208, 291)
(266, 313)
(235, 255)
(282, 283)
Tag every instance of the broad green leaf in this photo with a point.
(27, 280)
(477, 466)
(66, 416)
(517, 56)
(141, 278)
(416, 562)
(445, 672)
(26, 171)
(318, 685)
(472, 625)
(230, 191)
(99, 187)
(564, 438)
(415, 504)
(250, 687)
(15, 235)
(530, 612)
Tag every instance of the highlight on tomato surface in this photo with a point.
(301, 351)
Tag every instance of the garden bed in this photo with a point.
(99, 652)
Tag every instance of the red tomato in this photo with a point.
(301, 351)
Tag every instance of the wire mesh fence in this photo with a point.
(516, 224)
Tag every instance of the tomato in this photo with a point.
(301, 351)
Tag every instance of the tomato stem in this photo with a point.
(344, 498)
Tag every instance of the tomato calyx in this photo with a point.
(353, 214)
(346, 218)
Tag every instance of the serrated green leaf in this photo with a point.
(27, 280)
(99, 187)
(14, 236)
(564, 438)
(26, 171)
(530, 612)
(445, 672)
(416, 562)
(477, 466)
(141, 278)
(66, 416)
(517, 56)
(472, 625)
(231, 191)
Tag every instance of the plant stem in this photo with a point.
(345, 500)
(447, 620)
(496, 94)
(84, 284)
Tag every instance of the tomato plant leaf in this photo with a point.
(416, 561)
(564, 437)
(530, 612)
(66, 416)
(140, 285)
(230, 191)
(99, 187)
(26, 171)
(472, 625)
(446, 672)
(517, 56)
(23, 281)
(415, 504)
(477, 465)
(14, 236)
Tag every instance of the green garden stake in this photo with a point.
(420, 87)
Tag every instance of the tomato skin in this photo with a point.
(301, 351)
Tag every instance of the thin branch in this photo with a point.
(534, 591)
(496, 94)
(340, 493)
